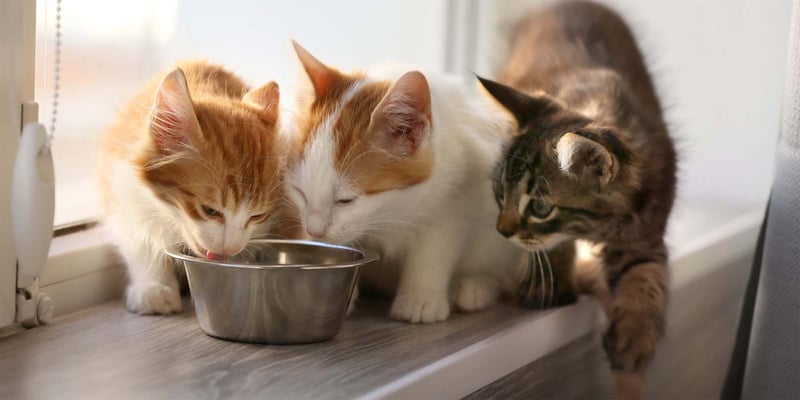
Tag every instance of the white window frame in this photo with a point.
(18, 27)
(82, 269)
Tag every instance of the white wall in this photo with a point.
(110, 49)
(719, 67)
(253, 37)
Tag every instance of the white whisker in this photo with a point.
(541, 272)
(551, 297)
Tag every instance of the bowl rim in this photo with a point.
(367, 256)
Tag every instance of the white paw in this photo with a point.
(153, 298)
(476, 293)
(420, 307)
(352, 305)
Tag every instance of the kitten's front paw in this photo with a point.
(631, 339)
(420, 307)
(153, 298)
(476, 293)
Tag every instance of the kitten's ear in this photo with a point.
(402, 120)
(520, 105)
(586, 159)
(266, 98)
(172, 119)
(322, 77)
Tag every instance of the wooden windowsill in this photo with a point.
(106, 352)
(110, 353)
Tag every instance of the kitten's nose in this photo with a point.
(507, 224)
(316, 226)
(233, 247)
(234, 240)
(232, 250)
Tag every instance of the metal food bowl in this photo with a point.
(274, 291)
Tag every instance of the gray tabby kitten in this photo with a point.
(592, 160)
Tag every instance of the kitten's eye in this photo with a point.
(258, 217)
(211, 212)
(300, 192)
(346, 201)
(540, 208)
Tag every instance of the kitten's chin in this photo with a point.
(201, 251)
(538, 244)
(526, 244)
(330, 240)
(337, 240)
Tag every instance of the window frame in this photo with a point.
(18, 22)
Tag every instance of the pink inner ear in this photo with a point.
(172, 114)
(412, 134)
(405, 113)
(166, 129)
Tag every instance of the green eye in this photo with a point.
(211, 212)
(540, 208)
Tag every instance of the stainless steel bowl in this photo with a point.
(275, 291)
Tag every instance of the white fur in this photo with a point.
(571, 145)
(522, 192)
(524, 199)
(566, 148)
(143, 227)
(433, 231)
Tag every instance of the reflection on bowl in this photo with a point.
(275, 291)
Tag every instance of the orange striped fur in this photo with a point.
(195, 159)
(358, 152)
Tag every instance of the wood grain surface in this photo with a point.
(105, 352)
(691, 361)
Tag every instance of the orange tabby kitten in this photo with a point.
(195, 158)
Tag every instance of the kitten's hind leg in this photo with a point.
(477, 292)
(153, 287)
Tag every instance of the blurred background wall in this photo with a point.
(718, 64)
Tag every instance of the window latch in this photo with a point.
(33, 207)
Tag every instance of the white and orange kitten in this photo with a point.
(195, 158)
(403, 166)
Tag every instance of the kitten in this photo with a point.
(592, 160)
(194, 159)
(403, 165)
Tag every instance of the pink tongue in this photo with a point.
(211, 256)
